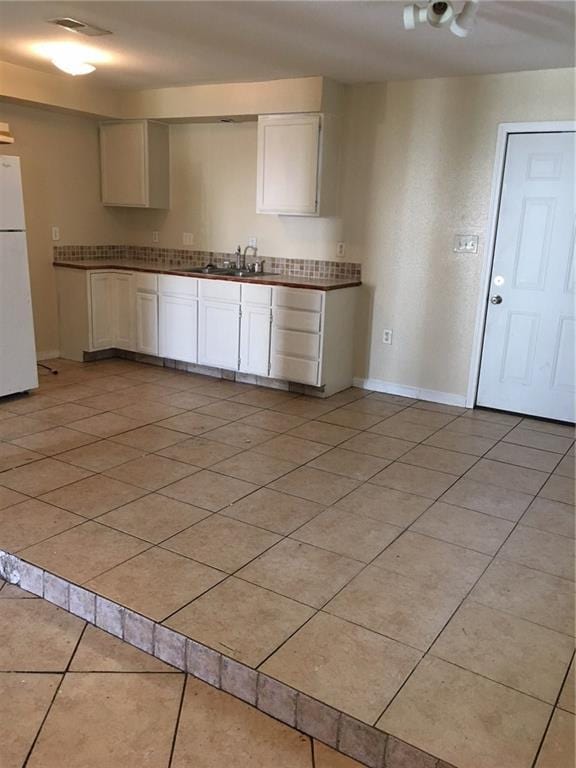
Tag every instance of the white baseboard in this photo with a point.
(390, 388)
(50, 354)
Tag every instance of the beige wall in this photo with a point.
(213, 191)
(59, 156)
(419, 160)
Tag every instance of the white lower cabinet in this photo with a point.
(147, 323)
(218, 334)
(111, 316)
(101, 315)
(290, 334)
(255, 323)
(178, 318)
(296, 345)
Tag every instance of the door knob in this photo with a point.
(496, 300)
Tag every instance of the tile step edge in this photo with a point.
(351, 737)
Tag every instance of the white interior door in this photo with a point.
(528, 353)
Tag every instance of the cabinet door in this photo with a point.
(219, 334)
(147, 323)
(102, 310)
(255, 340)
(123, 297)
(124, 163)
(178, 324)
(288, 164)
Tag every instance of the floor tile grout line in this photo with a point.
(56, 692)
(493, 559)
(552, 713)
(177, 721)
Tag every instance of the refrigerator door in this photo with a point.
(18, 371)
(11, 202)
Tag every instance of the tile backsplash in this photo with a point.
(179, 257)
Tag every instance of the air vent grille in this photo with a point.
(74, 25)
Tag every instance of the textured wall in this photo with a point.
(418, 170)
(61, 182)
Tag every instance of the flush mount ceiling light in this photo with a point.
(72, 65)
(71, 58)
(442, 14)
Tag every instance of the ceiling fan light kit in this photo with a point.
(442, 14)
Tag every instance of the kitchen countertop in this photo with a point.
(289, 281)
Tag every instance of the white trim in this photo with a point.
(404, 390)
(50, 354)
(504, 130)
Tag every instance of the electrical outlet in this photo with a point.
(387, 336)
(340, 249)
(466, 244)
(155, 236)
(55, 233)
(187, 238)
(253, 242)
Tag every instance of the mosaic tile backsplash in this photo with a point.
(178, 257)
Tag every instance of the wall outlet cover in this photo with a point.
(466, 244)
(155, 237)
(387, 336)
(340, 249)
(253, 241)
(187, 238)
(55, 233)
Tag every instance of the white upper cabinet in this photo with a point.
(288, 175)
(134, 163)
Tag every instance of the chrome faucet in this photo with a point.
(248, 248)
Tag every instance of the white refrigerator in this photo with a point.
(18, 372)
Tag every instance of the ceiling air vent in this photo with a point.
(79, 26)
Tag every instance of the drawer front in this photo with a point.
(178, 286)
(294, 369)
(296, 344)
(297, 320)
(256, 294)
(221, 290)
(294, 298)
(145, 281)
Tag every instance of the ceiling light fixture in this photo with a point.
(72, 65)
(442, 14)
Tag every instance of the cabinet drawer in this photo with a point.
(256, 294)
(178, 286)
(294, 298)
(296, 344)
(294, 369)
(221, 290)
(296, 320)
(145, 281)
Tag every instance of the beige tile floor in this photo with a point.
(408, 563)
(72, 695)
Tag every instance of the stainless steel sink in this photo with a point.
(225, 272)
(206, 270)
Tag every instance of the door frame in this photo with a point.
(504, 131)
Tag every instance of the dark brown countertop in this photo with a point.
(289, 281)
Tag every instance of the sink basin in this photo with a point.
(225, 271)
(206, 270)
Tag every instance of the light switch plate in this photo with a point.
(187, 238)
(55, 234)
(466, 244)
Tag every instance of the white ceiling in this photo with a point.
(158, 44)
